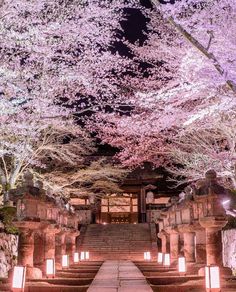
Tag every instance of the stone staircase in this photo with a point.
(117, 241)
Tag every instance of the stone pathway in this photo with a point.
(119, 276)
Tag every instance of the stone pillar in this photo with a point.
(49, 243)
(213, 226)
(26, 248)
(39, 250)
(213, 239)
(71, 245)
(163, 238)
(174, 246)
(213, 246)
(60, 248)
(200, 246)
(189, 246)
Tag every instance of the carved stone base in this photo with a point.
(33, 273)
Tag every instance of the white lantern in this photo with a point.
(82, 256)
(87, 255)
(18, 281)
(212, 278)
(160, 257)
(50, 267)
(147, 256)
(76, 257)
(182, 265)
(65, 261)
(166, 259)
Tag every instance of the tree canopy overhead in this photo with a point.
(54, 55)
(197, 41)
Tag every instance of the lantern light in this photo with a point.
(50, 267)
(182, 265)
(212, 278)
(82, 256)
(87, 255)
(76, 257)
(166, 259)
(65, 261)
(147, 256)
(18, 278)
(160, 257)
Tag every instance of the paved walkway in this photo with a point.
(119, 276)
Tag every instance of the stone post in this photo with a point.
(174, 246)
(189, 246)
(71, 244)
(163, 238)
(26, 248)
(60, 248)
(213, 246)
(39, 249)
(200, 246)
(213, 242)
(49, 243)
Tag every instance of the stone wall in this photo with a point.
(229, 248)
(8, 252)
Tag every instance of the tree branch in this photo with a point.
(200, 47)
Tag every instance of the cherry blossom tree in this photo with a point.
(198, 150)
(66, 51)
(208, 26)
(37, 134)
(201, 90)
(52, 54)
(96, 178)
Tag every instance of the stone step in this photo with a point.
(117, 241)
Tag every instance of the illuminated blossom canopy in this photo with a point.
(58, 59)
(51, 55)
(195, 97)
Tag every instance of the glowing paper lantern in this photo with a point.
(166, 259)
(18, 281)
(82, 256)
(65, 261)
(182, 265)
(87, 255)
(212, 278)
(50, 267)
(160, 257)
(147, 256)
(76, 257)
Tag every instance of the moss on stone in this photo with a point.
(7, 214)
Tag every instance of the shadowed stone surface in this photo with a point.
(119, 276)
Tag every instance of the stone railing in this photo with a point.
(46, 229)
(193, 226)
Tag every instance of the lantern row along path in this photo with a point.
(119, 276)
